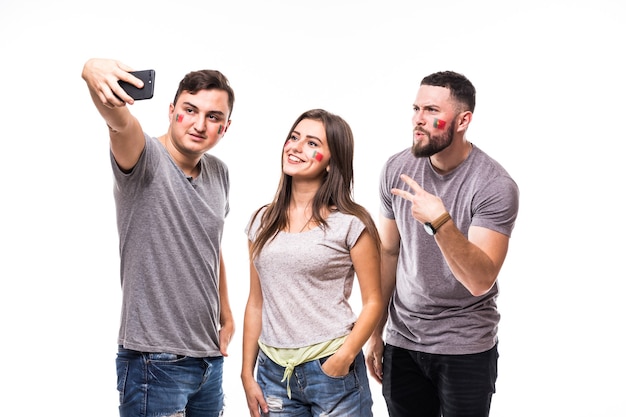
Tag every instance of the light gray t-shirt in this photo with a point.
(306, 280)
(430, 310)
(170, 230)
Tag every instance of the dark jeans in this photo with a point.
(417, 384)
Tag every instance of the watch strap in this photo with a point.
(440, 221)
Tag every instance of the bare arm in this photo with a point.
(366, 260)
(390, 241)
(251, 333)
(125, 132)
(476, 260)
(227, 322)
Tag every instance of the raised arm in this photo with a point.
(125, 132)
(476, 260)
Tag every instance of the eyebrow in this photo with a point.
(308, 136)
(426, 106)
(197, 108)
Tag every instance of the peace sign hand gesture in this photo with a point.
(426, 207)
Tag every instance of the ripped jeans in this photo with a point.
(313, 393)
(163, 384)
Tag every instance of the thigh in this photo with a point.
(270, 375)
(208, 401)
(467, 383)
(408, 392)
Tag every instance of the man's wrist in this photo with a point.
(432, 227)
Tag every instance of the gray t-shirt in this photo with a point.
(430, 310)
(306, 280)
(170, 230)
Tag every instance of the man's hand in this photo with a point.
(227, 330)
(374, 357)
(102, 76)
(426, 207)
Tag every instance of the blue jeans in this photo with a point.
(417, 384)
(313, 393)
(163, 384)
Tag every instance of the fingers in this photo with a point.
(102, 76)
(402, 193)
(256, 400)
(225, 338)
(407, 195)
(375, 367)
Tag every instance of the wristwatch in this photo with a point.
(432, 227)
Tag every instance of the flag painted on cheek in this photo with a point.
(179, 118)
(318, 156)
(219, 131)
(439, 124)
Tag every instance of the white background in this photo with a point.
(550, 108)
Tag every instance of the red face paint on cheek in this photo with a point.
(179, 118)
(318, 156)
(439, 124)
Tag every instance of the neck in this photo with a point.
(451, 157)
(189, 166)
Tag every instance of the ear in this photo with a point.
(328, 168)
(170, 113)
(463, 121)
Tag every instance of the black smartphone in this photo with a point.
(145, 93)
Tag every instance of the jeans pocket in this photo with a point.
(324, 359)
(122, 376)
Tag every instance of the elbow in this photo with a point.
(483, 287)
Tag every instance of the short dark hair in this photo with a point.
(461, 89)
(206, 80)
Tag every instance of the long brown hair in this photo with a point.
(335, 193)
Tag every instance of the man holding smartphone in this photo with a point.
(171, 201)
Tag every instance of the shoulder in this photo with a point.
(400, 157)
(349, 224)
(488, 164)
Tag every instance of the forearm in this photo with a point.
(118, 119)
(469, 264)
(226, 314)
(250, 349)
(389, 263)
(366, 323)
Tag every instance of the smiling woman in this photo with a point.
(308, 244)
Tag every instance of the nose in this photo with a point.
(199, 124)
(418, 118)
(296, 146)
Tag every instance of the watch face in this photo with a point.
(429, 228)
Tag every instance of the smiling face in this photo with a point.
(306, 153)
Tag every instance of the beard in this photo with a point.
(436, 143)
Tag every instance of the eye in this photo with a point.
(313, 144)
